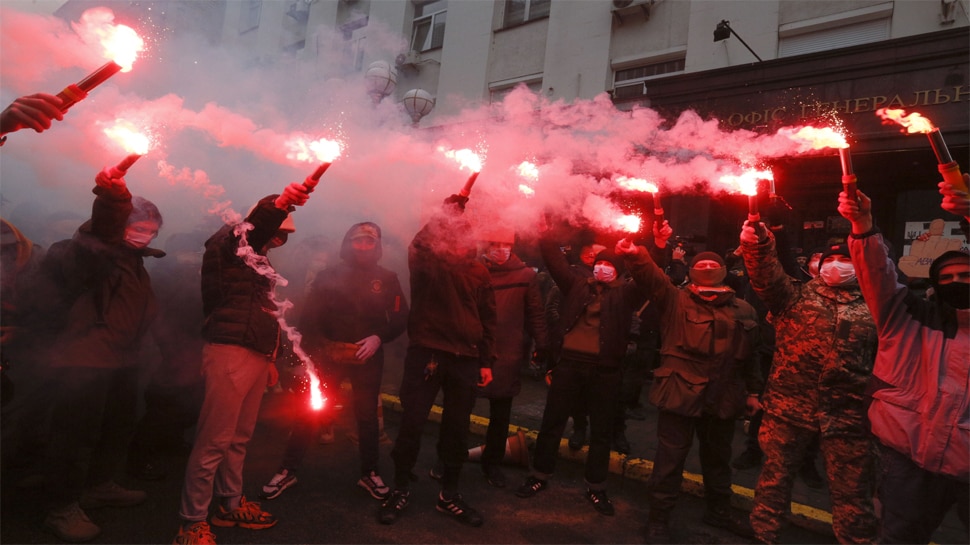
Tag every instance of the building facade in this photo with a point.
(751, 64)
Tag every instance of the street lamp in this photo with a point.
(418, 103)
(723, 31)
(380, 80)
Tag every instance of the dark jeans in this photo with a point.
(366, 383)
(456, 378)
(915, 501)
(675, 435)
(497, 434)
(93, 419)
(579, 387)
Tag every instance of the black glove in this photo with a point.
(456, 200)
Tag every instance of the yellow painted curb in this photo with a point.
(804, 516)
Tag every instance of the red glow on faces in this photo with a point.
(637, 184)
(747, 182)
(816, 137)
(466, 158)
(913, 122)
(128, 137)
(302, 148)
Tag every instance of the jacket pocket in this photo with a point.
(698, 332)
(677, 391)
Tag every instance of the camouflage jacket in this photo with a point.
(826, 345)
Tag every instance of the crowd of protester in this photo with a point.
(835, 356)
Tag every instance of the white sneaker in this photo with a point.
(280, 482)
(374, 485)
(71, 523)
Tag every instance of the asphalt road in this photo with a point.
(326, 505)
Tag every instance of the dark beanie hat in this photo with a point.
(144, 210)
(612, 258)
(835, 249)
(706, 256)
(944, 258)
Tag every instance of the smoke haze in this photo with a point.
(220, 127)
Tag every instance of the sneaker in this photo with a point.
(749, 459)
(658, 533)
(601, 502)
(247, 515)
(111, 494)
(374, 485)
(577, 439)
(72, 524)
(457, 508)
(197, 533)
(494, 476)
(737, 526)
(437, 471)
(393, 505)
(810, 476)
(326, 435)
(280, 482)
(531, 486)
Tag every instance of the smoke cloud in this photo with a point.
(220, 126)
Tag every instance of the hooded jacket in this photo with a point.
(708, 353)
(236, 300)
(98, 300)
(452, 300)
(350, 301)
(921, 379)
(825, 347)
(520, 311)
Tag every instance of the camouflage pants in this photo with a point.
(849, 467)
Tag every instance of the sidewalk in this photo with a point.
(811, 508)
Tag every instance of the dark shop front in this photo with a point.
(928, 74)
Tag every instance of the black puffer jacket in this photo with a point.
(235, 298)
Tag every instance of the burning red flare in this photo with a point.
(815, 138)
(913, 123)
(323, 151)
(131, 140)
(629, 223)
(916, 123)
(530, 172)
(466, 158)
(747, 184)
(119, 43)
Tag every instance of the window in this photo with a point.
(520, 11)
(429, 25)
(249, 15)
(628, 82)
(498, 92)
(834, 38)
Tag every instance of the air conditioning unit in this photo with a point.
(628, 8)
(409, 59)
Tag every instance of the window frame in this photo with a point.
(430, 19)
(527, 14)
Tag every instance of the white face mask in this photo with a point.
(837, 273)
(137, 239)
(604, 272)
(497, 254)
